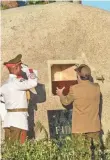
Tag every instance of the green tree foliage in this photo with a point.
(3, 7)
(34, 2)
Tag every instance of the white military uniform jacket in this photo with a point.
(14, 93)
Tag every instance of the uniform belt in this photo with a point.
(18, 110)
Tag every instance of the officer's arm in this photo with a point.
(66, 100)
(22, 84)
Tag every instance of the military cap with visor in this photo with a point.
(13, 62)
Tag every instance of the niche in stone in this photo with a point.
(63, 75)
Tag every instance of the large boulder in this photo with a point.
(59, 31)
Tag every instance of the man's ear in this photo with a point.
(78, 77)
(16, 67)
(10, 70)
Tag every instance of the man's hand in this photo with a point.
(59, 92)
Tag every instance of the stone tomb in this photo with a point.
(53, 38)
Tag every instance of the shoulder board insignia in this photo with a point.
(33, 76)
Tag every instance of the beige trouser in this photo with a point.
(94, 139)
(13, 134)
(95, 136)
(89, 144)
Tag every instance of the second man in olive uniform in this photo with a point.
(85, 97)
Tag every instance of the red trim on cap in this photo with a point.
(9, 65)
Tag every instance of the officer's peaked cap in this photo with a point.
(15, 60)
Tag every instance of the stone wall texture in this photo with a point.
(59, 31)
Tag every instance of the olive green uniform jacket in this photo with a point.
(86, 98)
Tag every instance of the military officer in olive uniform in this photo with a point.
(14, 93)
(86, 98)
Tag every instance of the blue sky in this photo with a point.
(102, 4)
(98, 4)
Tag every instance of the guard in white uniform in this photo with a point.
(14, 93)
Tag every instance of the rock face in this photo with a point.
(59, 34)
(9, 4)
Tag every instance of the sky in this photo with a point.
(98, 4)
(102, 4)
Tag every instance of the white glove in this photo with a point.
(35, 72)
(26, 70)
